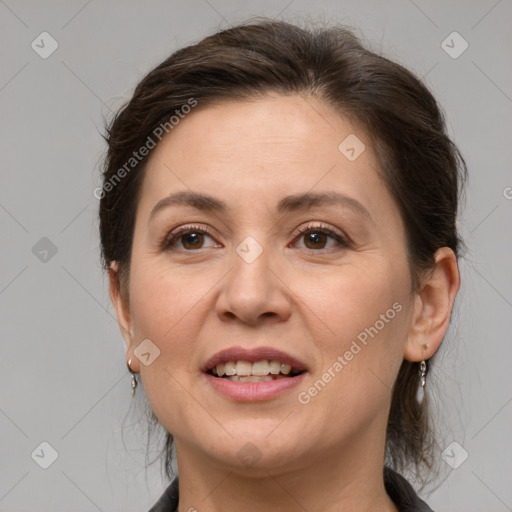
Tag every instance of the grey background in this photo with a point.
(63, 374)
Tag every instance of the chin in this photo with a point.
(260, 448)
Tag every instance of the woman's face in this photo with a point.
(297, 256)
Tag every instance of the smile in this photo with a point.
(260, 371)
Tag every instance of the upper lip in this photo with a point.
(252, 355)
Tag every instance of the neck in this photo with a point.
(331, 481)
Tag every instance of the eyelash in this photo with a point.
(325, 230)
(173, 236)
(169, 240)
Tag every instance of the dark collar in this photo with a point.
(397, 487)
(402, 493)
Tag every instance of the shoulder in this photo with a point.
(402, 493)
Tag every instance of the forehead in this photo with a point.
(262, 148)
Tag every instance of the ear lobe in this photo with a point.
(433, 306)
(120, 303)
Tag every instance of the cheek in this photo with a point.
(163, 300)
(366, 314)
(352, 299)
(168, 310)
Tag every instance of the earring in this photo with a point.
(134, 379)
(423, 374)
(420, 395)
(423, 369)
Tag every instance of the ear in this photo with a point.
(433, 306)
(121, 304)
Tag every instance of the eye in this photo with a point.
(188, 238)
(318, 237)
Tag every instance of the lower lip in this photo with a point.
(253, 391)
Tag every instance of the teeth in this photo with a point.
(286, 369)
(243, 370)
(253, 378)
(250, 378)
(260, 368)
(275, 367)
(229, 368)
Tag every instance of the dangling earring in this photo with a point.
(134, 379)
(423, 374)
(423, 381)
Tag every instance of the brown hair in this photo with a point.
(420, 165)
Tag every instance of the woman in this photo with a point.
(278, 222)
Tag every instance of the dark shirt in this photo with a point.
(397, 487)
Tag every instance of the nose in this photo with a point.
(253, 293)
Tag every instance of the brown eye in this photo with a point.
(188, 239)
(192, 240)
(315, 240)
(318, 238)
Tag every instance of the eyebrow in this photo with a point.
(310, 200)
(199, 201)
(291, 203)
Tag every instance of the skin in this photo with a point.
(310, 300)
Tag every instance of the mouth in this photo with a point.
(260, 371)
(264, 364)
